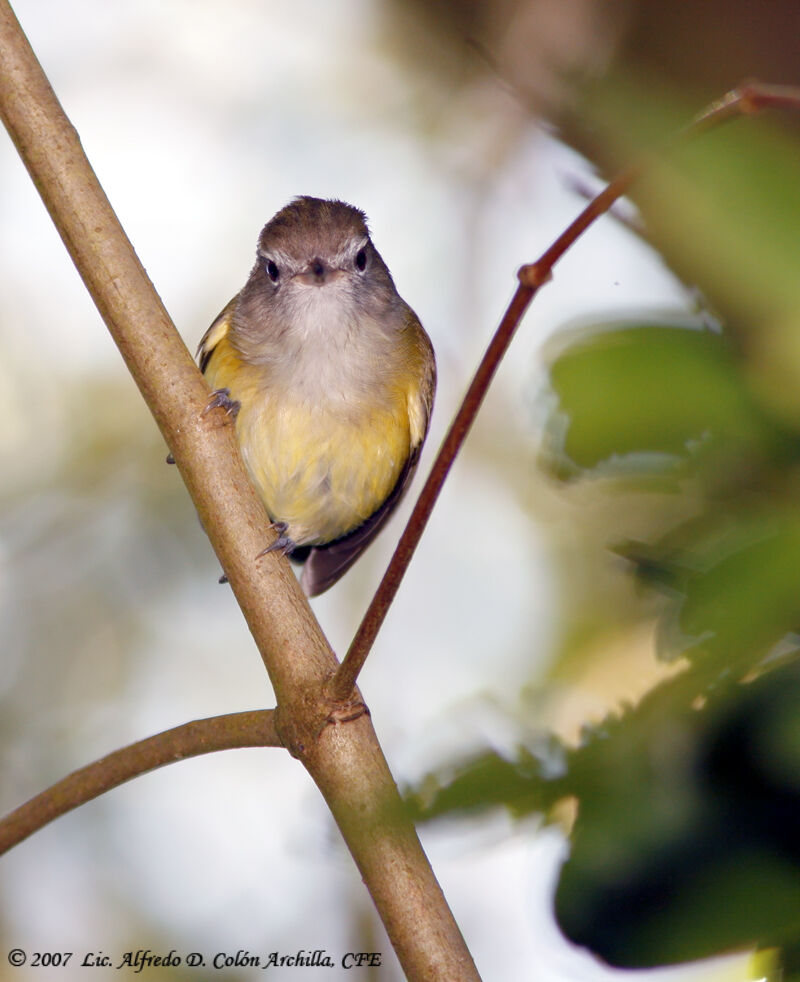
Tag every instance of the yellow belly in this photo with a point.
(321, 469)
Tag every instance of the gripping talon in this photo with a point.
(282, 544)
(221, 399)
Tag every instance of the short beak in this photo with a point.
(316, 273)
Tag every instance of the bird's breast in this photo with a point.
(324, 449)
(321, 470)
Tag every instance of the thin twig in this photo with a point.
(202, 736)
(749, 97)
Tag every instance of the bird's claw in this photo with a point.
(221, 399)
(282, 544)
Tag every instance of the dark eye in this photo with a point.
(272, 271)
(361, 260)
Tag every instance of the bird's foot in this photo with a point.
(221, 399)
(282, 544)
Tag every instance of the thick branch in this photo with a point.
(201, 736)
(344, 760)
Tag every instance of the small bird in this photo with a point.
(331, 379)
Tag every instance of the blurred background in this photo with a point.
(592, 661)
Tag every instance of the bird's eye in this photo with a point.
(272, 271)
(361, 260)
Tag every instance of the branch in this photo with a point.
(345, 761)
(201, 736)
(749, 97)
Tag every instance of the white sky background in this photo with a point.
(201, 119)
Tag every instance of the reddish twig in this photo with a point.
(201, 736)
(748, 98)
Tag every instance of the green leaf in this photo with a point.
(745, 595)
(647, 399)
(724, 212)
(685, 840)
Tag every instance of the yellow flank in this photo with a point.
(325, 468)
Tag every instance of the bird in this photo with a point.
(330, 378)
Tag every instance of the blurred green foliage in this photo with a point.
(684, 844)
(663, 394)
(706, 856)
